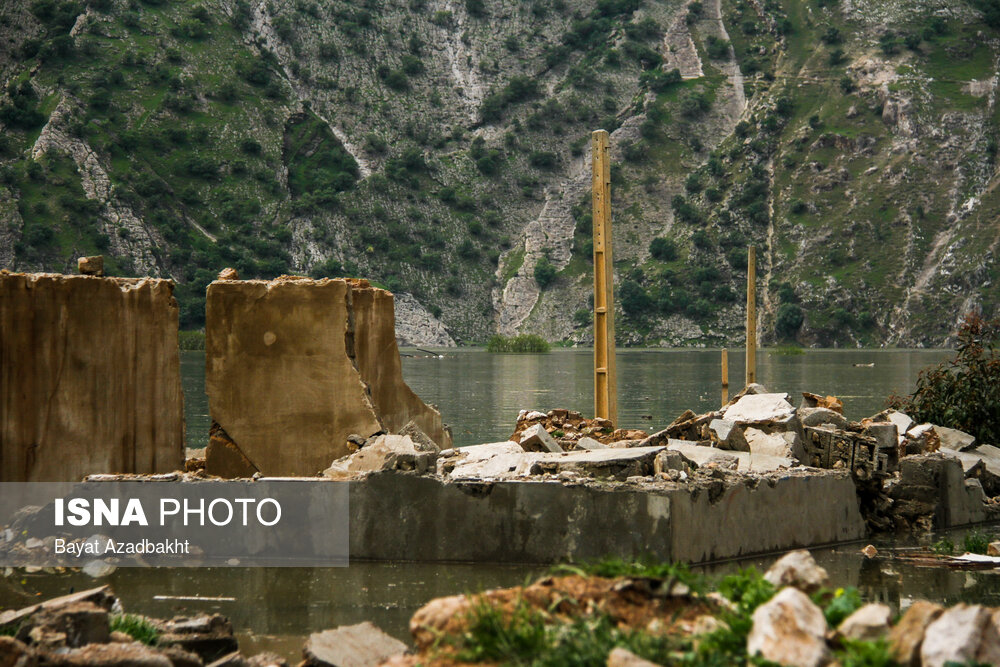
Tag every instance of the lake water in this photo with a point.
(479, 394)
(275, 609)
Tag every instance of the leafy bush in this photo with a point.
(545, 272)
(717, 48)
(663, 249)
(962, 393)
(844, 603)
(788, 321)
(523, 343)
(635, 300)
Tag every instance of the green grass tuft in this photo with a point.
(976, 542)
(519, 344)
(137, 627)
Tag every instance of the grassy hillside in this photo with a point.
(439, 148)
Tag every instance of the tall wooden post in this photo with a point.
(725, 376)
(751, 315)
(605, 380)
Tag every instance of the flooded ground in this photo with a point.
(275, 609)
(479, 394)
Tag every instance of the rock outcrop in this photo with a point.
(90, 377)
(295, 366)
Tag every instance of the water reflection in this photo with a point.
(479, 394)
(275, 609)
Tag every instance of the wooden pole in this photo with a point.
(605, 380)
(751, 315)
(725, 376)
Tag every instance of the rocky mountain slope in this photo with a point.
(440, 147)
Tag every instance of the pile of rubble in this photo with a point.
(76, 630)
(902, 469)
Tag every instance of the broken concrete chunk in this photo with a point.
(729, 434)
(789, 629)
(537, 439)
(820, 416)
(954, 439)
(922, 439)
(384, 452)
(209, 636)
(760, 408)
(619, 464)
(78, 624)
(783, 445)
(672, 460)
(361, 645)
(902, 421)
(489, 461)
(799, 569)
(589, 443)
(816, 401)
(420, 439)
(91, 266)
(885, 434)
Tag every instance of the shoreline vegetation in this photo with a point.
(191, 340)
(521, 344)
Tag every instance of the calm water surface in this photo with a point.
(275, 609)
(480, 394)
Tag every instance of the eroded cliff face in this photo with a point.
(294, 366)
(89, 377)
(440, 148)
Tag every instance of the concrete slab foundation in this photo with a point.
(543, 522)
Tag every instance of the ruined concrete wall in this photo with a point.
(377, 358)
(89, 377)
(294, 366)
(544, 522)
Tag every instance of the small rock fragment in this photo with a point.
(91, 266)
(868, 623)
(798, 569)
(621, 657)
(537, 439)
(789, 629)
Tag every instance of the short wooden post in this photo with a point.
(751, 355)
(725, 376)
(605, 380)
